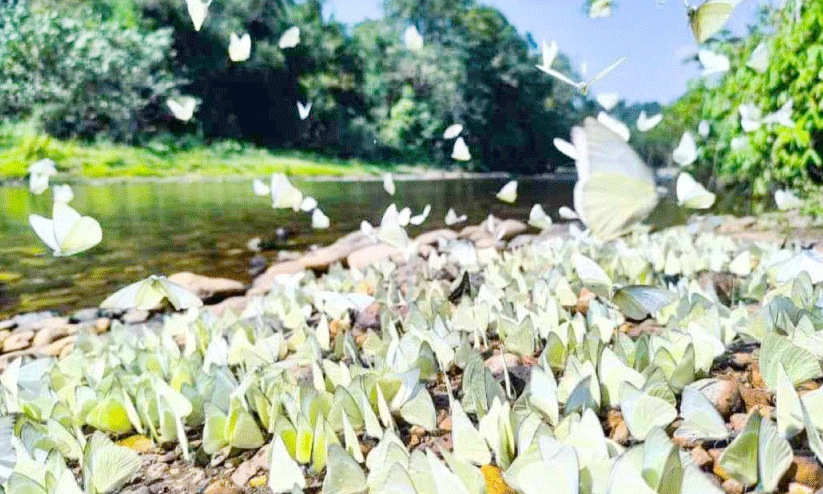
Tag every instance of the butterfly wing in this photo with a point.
(708, 19)
(178, 296)
(44, 228)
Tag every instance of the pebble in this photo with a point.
(102, 324)
(733, 486)
(135, 316)
(207, 287)
(742, 359)
(795, 488)
(701, 457)
(495, 362)
(18, 340)
(7, 324)
(58, 347)
(722, 393)
(220, 487)
(84, 315)
(807, 471)
(371, 255)
(738, 420)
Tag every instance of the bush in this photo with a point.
(776, 156)
(83, 77)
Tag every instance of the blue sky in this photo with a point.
(655, 37)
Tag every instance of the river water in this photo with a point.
(204, 226)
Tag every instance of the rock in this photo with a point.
(807, 471)
(468, 231)
(733, 486)
(27, 321)
(507, 229)
(701, 457)
(368, 256)
(206, 287)
(18, 340)
(742, 359)
(738, 420)
(521, 241)
(495, 362)
(85, 315)
(237, 304)
(102, 324)
(324, 257)
(249, 468)
(795, 488)
(47, 335)
(617, 425)
(432, 237)
(368, 318)
(57, 348)
(219, 488)
(257, 265)
(263, 283)
(722, 393)
(7, 324)
(135, 316)
(486, 242)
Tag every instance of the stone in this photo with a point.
(324, 257)
(495, 362)
(701, 457)
(237, 304)
(368, 318)
(26, 321)
(486, 242)
(737, 421)
(722, 393)
(733, 486)
(60, 327)
(18, 340)
(795, 488)
(135, 316)
(521, 240)
(56, 348)
(742, 359)
(807, 471)
(220, 488)
(368, 256)
(7, 324)
(249, 468)
(206, 287)
(102, 324)
(85, 315)
(509, 228)
(432, 237)
(263, 283)
(468, 231)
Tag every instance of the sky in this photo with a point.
(656, 39)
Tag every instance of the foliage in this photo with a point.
(776, 155)
(84, 77)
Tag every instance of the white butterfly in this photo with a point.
(601, 9)
(645, 123)
(420, 218)
(453, 219)
(783, 116)
(182, 107)
(461, 150)
(197, 11)
(452, 131)
(608, 100)
(67, 232)
(751, 117)
(538, 218)
(62, 193)
(260, 188)
(686, 151)
(308, 204)
(565, 147)
(692, 194)
(38, 183)
(567, 213)
(239, 48)
(708, 19)
(508, 193)
(388, 183)
(45, 166)
(703, 128)
(582, 86)
(759, 60)
(319, 220)
(303, 110)
(412, 38)
(284, 194)
(614, 188)
(549, 54)
(290, 38)
(739, 143)
(148, 293)
(713, 63)
(614, 125)
(404, 217)
(786, 200)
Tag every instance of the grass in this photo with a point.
(21, 144)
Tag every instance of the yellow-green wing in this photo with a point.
(709, 18)
(609, 203)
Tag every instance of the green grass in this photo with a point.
(22, 144)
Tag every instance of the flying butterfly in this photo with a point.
(239, 47)
(708, 19)
(290, 38)
(67, 232)
(582, 86)
(303, 110)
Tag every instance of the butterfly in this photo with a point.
(601, 9)
(303, 110)
(614, 125)
(508, 193)
(197, 11)
(548, 55)
(182, 107)
(582, 86)
(388, 183)
(412, 39)
(615, 189)
(646, 123)
(708, 19)
(290, 38)
(461, 150)
(147, 294)
(686, 151)
(452, 131)
(453, 219)
(608, 100)
(713, 63)
(239, 48)
(62, 193)
(319, 220)
(538, 218)
(759, 59)
(67, 232)
(692, 194)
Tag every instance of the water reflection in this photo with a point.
(152, 227)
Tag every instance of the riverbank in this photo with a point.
(494, 297)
